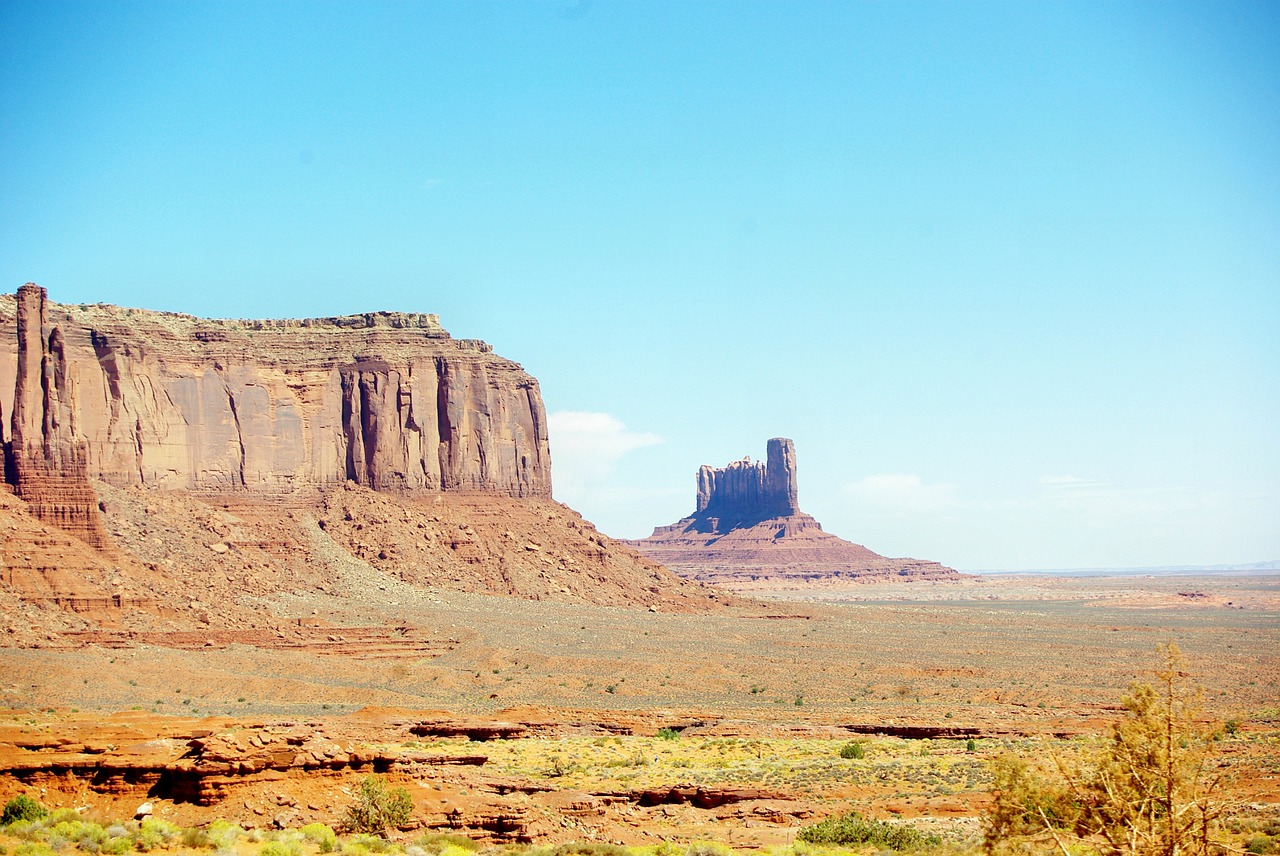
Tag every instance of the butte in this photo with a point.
(748, 532)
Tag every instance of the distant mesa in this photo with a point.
(748, 532)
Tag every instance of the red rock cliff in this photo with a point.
(47, 458)
(388, 400)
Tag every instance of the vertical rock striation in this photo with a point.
(385, 399)
(746, 490)
(46, 459)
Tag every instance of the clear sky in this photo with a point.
(1007, 273)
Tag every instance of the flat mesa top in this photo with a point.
(180, 324)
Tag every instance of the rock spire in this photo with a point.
(746, 490)
(46, 459)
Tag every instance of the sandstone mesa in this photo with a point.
(164, 462)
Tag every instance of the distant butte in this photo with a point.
(748, 532)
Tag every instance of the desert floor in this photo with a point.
(762, 697)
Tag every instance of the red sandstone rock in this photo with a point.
(748, 532)
(47, 458)
(215, 448)
(387, 400)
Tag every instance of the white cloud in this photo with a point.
(585, 447)
(898, 492)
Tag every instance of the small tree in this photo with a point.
(22, 807)
(1150, 792)
(377, 809)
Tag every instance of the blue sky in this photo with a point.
(1008, 273)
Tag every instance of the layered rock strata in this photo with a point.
(47, 459)
(748, 532)
(198, 467)
(387, 400)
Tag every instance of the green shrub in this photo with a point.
(322, 836)
(854, 750)
(707, 848)
(281, 848)
(196, 838)
(116, 846)
(971, 745)
(376, 809)
(223, 834)
(86, 835)
(589, 848)
(22, 807)
(362, 844)
(1260, 845)
(154, 832)
(852, 828)
(456, 850)
(668, 734)
(436, 842)
(33, 848)
(27, 830)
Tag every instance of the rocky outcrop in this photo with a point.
(749, 492)
(387, 400)
(748, 532)
(228, 461)
(47, 459)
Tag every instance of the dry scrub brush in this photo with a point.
(1151, 790)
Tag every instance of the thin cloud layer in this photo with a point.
(586, 447)
(901, 492)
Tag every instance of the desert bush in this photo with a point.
(86, 835)
(436, 842)
(365, 843)
(223, 834)
(116, 840)
(22, 807)
(1151, 790)
(852, 828)
(115, 846)
(62, 815)
(27, 830)
(154, 832)
(376, 808)
(589, 848)
(196, 838)
(853, 751)
(281, 848)
(33, 848)
(668, 734)
(325, 839)
(707, 848)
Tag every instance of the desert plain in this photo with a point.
(550, 722)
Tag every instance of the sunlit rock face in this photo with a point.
(387, 400)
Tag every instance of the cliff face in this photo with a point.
(748, 532)
(746, 491)
(47, 458)
(204, 467)
(387, 400)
